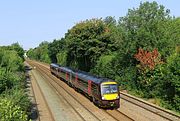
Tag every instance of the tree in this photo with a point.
(148, 60)
(31, 53)
(145, 27)
(104, 66)
(171, 85)
(142, 27)
(86, 42)
(10, 60)
(19, 49)
(40, 53)
(54, 48)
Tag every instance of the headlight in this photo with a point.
(117, 97)
(103, 98)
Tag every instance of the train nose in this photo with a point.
(110, 96)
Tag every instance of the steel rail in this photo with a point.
(109, 113)
(69, 94)
(150, 107)
(43, 98)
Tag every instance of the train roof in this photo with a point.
(55, 65)
(66, 69)
(82, 74)
(96, 79)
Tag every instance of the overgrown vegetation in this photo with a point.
(14, 102)
(140, 51)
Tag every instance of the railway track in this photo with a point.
(48, 109)
(38, 96)
(57, 85)
(118, 114)
(66, 99)
(168, 115)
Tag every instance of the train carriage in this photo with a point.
(53, 68)
(104, 92)
(65, 74)
(109, 93)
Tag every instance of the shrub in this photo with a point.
(11, 112)
(19, 97)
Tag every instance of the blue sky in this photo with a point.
(29, 22)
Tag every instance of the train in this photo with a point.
(103, 92)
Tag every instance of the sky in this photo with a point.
(30, 22)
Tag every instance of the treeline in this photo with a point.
(140, 51)
(14, 102)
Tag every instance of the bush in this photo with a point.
(171, 81)
(5, 82)
(14, 102)
(10, 79)
(19, 97)
(11, 112)
(10, 60)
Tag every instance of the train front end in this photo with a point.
(110, 94)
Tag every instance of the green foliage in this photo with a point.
(54, 48)
(14, 102)
(11, 112)
(168, 36)
(172, 81)
(18, 49)
(146, 69)
(18, 97)
(145, 27)
(31, 54)
(11, 88)
(10, 63)
(163, 82)
(104, 66)
(10, 60)
(62, 58)
(40, 53)
(86, 41)
(5, 81)
(107, 48)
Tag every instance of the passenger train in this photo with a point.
(103, 92)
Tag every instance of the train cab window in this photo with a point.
(109, 88)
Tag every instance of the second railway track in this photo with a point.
(168, 115)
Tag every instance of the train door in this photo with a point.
(76, 80)
(59, 73)
(70, 78)
(89, 87)
(56, 69)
